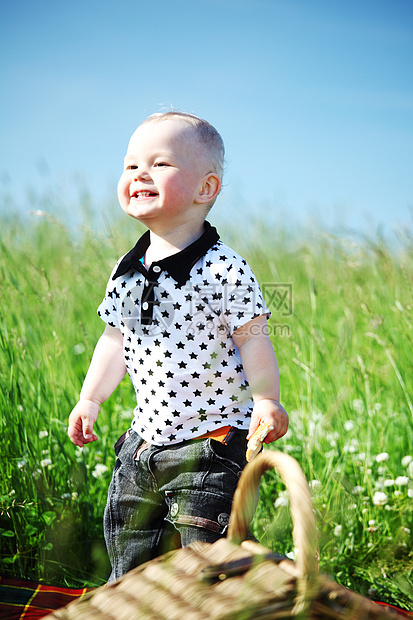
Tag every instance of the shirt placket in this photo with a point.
(148, 299)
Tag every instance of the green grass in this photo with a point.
(346, 376)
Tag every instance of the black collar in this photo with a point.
(178, 265)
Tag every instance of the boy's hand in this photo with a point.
(270, 411)
(81, 422)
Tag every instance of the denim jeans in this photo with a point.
(162, 497)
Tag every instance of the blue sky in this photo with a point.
(314, 99)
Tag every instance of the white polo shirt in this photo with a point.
(177, 319)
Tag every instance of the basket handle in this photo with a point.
(301, 508)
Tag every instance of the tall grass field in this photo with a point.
(342, 327)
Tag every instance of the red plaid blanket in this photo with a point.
(20, 598)
(29, 600)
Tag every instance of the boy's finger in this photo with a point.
(253, 427)
(87, 430)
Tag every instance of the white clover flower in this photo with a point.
(372, 522)
(78, 349)
(379, 498)
(65, 496)
(348, 425)
(315, 485)
(358, 405)
(281, 501)
(125, 414)
(379, 484)
(402, 481)
(337, 530)
(99, 470)
(317, 416)
(388, 483)
(21, 464)
(312, 427)
(45, 463)
(410, 469)
(410, 493)
(349, 449)
(12, 492)
(406, 460)
(332, 438)
(380, 458)
(372, 529)
(74, 496)
(43, 434)
(357, 490)
(405, 530)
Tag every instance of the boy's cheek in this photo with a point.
(123, 192)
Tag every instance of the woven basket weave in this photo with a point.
(233, 579)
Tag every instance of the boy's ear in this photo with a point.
(209, 189)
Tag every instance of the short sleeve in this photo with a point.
(242, 297)
(108, 310)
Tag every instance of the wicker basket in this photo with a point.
(233, 579)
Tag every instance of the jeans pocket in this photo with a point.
(198, 509)
(118, 445)
(232, 457)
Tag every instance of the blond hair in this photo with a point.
(205, 132)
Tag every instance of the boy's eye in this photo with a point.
(160, 163)
(131, 167)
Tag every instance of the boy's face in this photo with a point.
(164, 171)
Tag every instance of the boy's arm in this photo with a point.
(261, 369)
(106, 371)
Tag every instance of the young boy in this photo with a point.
(186, 319)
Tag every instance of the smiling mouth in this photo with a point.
(141, 194)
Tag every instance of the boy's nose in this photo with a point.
(141, 175)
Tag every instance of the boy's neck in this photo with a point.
(165, 243)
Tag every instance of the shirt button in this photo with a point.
(156, 268)
(145, 305)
